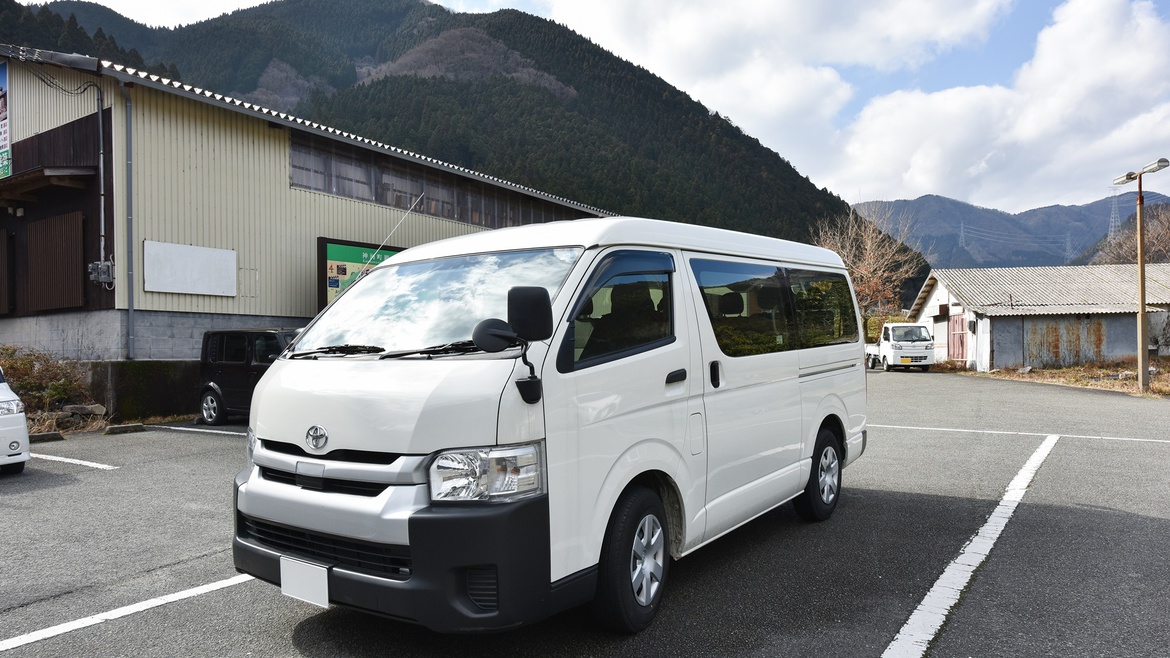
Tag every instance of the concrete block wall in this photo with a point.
(101, 335)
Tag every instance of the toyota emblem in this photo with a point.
(316, 437)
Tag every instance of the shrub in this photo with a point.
(44, 381)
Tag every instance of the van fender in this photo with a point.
(831, 408)
(656, 458)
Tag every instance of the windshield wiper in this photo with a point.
(339, 349)
(457, 347)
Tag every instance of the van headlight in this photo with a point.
(489, 474)
(896, 346)
(10, 407)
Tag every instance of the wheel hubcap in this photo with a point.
(210, 410)
(827, 475)
(647, 559)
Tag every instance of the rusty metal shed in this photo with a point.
(1042, 316)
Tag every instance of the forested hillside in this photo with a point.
(506, 93)
(41, 28)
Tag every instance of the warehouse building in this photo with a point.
(1042, 317)
(137, 212)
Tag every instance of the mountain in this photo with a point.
(506, 93)
(952, 233)
(44, 29)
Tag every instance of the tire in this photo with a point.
(886, 365)
(635, 560)
(823, 490)
(925, 368)
(211, 409)
(13, 469)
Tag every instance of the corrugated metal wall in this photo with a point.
(35, 107)
(209, 177)
(57, 272)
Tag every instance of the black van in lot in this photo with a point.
(233, 360)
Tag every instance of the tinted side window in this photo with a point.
(235, 348)
(823, 305)
(748, 305)
(626, 310)
(265, 347)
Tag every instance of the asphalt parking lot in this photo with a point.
(987, 518)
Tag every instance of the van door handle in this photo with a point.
(679, 375)
(714, 374)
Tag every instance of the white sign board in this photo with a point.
(186, 269)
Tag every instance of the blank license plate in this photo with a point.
(304, 581)
(907, 359)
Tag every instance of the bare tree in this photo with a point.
(876, 250)
(1123, 247)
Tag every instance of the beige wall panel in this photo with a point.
(35, 107)
(210, 177)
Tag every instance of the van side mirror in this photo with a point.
(529, 319)
(530, 313)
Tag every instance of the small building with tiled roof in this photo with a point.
(1011, 317)
(136, 212)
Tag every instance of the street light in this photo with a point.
(1142, 339)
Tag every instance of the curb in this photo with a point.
(46, 437)
(125, 429)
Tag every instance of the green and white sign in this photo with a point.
(343, 263)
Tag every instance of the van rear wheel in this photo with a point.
(211, 409)
(635, 559)
(824, 481)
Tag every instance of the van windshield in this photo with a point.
(436, 302)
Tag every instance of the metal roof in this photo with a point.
(131, 75)
(1064, 290)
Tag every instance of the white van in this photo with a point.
(653, 387)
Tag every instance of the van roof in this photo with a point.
(634, 231)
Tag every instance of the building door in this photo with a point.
(957, 338)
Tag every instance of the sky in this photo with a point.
(1005, 104)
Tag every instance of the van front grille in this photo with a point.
(382, 560)
(328, 485)
(354, 456)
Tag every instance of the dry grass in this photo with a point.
(1118, 376)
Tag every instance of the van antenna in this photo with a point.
(391, 233)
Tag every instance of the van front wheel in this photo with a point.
(635, 559)
(823, 490)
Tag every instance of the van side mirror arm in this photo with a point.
(529, 387)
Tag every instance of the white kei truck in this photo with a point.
(901, 345)
(487, 430)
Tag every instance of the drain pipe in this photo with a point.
(101, 176)
(130, 351)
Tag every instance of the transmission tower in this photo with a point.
(1068, 248)
(962, 235)
(1114, 219)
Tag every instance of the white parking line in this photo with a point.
(1066, 436)
(922, 627)
(79, 462)
(60, 629)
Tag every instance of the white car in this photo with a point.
(13, 430)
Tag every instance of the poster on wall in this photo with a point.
(341, 262)
(5, 149)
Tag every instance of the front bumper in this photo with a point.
(467, 568)
(13, 430)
